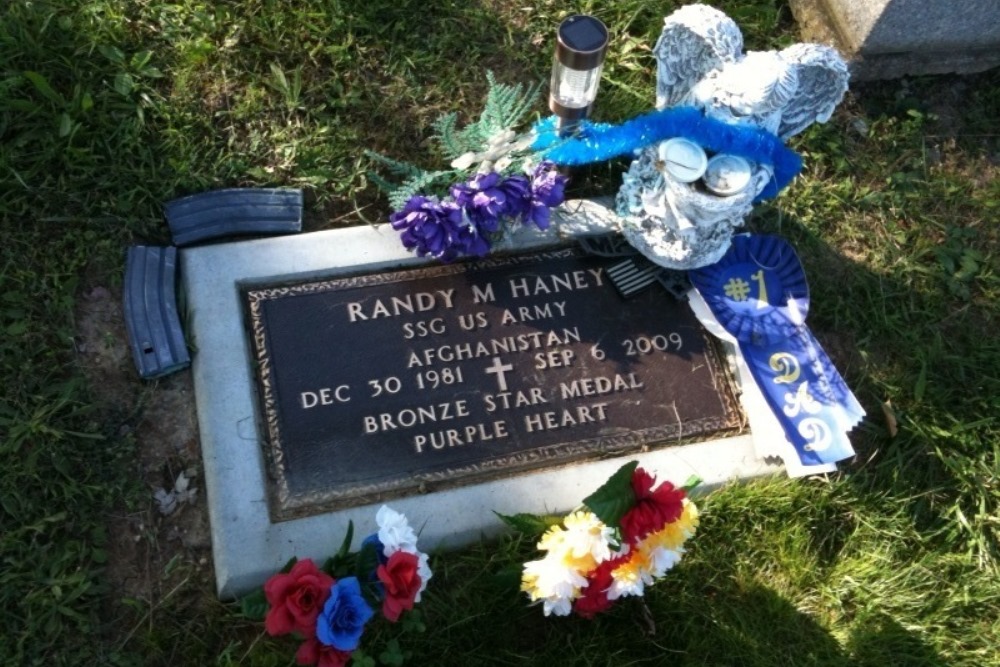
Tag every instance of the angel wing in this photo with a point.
(822, 81)
(696, 39)
(753, 90)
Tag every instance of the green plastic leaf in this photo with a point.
(509, 577)
(339, 565)
(691, 483)
(367, 561)
(289, 565)
(254, 606)
(345, 546)
(530, 524)
(615, 497)
(364, 568)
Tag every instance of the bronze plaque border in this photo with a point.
(285, 505)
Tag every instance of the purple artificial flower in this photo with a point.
(489, 197)
(473, 242)
(547, 191)
(483, 200)
(437, 228)
(518, 191)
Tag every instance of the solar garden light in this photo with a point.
(582, 42)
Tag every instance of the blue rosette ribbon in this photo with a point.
(759, 295)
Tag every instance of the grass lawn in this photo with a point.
(108, 108)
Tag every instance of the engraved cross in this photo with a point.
(500, 369)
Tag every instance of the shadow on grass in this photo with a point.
(701, 614)
(889, 221)
(882, 641)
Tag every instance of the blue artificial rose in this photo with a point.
(379, 547)
(382, 559)
(344, 616)
(437, 228)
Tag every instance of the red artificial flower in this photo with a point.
(314, 652)
(402, 583)
(296, 599)
(594, 597)
(653, 509)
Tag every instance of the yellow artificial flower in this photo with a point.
(673, 535)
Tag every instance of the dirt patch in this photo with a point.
(169, 532)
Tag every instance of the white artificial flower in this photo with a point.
(625, 587)
(661, 560)
(394, 532)
(557, 606)
(551, 579)
(587, 535)
(424, 572)
(464, 161)
(627, 581)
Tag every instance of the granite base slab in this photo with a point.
(247, 545)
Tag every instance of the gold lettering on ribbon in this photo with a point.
(762, 301)
(817, 433)
(785, 364)
(801, 401)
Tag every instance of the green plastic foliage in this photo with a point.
(615, 497)
(504, 109)
(254, 606)
(532, 525)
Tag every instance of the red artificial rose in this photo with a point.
(296, 599)
(594, 597)
(402, 583)
(314, 652)
(653, 509)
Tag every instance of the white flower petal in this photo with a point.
(395, 532)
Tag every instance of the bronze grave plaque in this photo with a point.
(396, 383)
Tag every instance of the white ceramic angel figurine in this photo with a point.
(678, 206)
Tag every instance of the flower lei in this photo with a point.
(329, 607)
(627, 535)
(495, 183)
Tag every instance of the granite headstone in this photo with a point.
(885, 39)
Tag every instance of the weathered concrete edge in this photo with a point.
(247, 548)
(819, 22)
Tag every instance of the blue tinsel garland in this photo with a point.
(597, 142)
